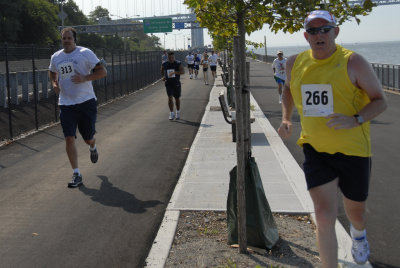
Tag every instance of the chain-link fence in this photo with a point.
(27, 100)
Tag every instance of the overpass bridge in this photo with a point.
(124, 27)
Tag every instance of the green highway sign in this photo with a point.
(157, 25)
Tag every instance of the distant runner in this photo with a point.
(204, 63)
(171, 71)
(197, 61)
(279, 67)
(164, 57)
(190, 61)
(213, 63)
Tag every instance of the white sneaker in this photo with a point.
(360, 250)
(177, 115)
(171, 116)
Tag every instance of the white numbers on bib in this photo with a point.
(170, 71)
(66, 70)
(317, 100)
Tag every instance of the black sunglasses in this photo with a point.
(323, 29)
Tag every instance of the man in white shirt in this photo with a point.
(71, 71)
(213, 60)
(279, 67)
(190, 62)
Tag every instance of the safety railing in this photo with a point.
(388, 74)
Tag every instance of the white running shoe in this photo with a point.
(171, 116)
(360, 250)
(178, 115)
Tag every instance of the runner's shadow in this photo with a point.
(111, 196)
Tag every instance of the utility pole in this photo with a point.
(265, 46)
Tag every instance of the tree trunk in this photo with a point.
(241, 199)
(243, 131)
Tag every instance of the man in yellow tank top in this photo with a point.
(336, 94)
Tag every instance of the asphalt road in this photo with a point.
(110, 221)
(383, 205)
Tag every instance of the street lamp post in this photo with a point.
(61, 12)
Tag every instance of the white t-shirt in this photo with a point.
(190, 59)
(81, 60)
(280, 68)
(213, 59)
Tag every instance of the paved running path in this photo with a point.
(112, 220)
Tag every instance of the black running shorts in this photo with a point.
(353, 172)
(213, 68)
(174, 90)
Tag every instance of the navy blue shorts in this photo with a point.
(174, 90)
(213, 68)
(353, 172)
(196, 67)
(278, 80)
(82, 115)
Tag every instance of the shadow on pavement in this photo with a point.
(186, 122)
(108, 195)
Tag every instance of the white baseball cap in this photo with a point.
(319, 14)
(279, 52)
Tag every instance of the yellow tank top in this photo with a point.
(320, 87)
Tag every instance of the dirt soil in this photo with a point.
(201, 241)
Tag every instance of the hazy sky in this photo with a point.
(383, 23)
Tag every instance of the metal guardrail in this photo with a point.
(388, 74)
(27, 100)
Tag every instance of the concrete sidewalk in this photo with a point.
(204, 181)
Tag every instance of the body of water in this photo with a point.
(374, 52)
